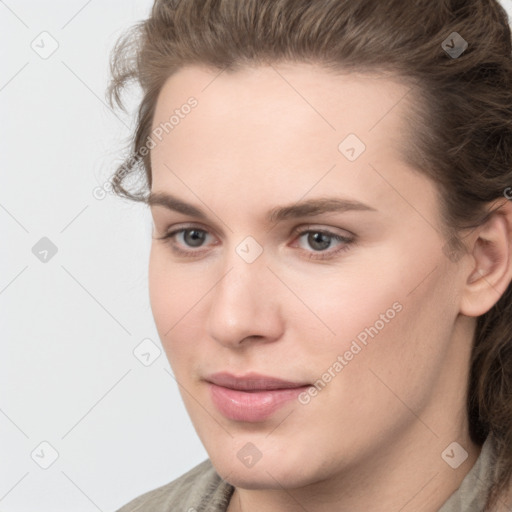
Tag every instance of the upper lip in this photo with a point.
(252, 382)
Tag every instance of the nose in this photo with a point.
(244, 305)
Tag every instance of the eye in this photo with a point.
(320, 240)
(180, 239)
(315, 243)
(193, 237)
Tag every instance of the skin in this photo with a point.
(372, 439)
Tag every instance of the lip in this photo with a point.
(252, 397)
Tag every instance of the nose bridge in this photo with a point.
(242, 302)
(241, 289)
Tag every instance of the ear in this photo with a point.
(490, 270)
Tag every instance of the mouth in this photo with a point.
(252, 397)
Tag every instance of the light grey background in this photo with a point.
(69, 377)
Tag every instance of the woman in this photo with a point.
(331, 258)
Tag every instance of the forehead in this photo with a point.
(265, 126)
(305, 92)
(296, 104)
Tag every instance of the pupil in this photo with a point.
(194, 237)
(319, 241)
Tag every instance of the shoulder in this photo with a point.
(201, 488)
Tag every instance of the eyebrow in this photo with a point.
(308, 208)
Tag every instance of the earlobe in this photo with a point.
(491, 266)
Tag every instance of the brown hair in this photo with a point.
(460, 117)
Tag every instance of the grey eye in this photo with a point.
(193, 237)
(319, 241)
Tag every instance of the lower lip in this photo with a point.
(251, 406)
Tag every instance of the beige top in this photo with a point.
(202, 490)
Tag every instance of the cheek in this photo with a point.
(392, 320)
(381, 287)
(174, 296)
(352, 301)
(400, 361)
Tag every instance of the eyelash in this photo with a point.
(168, 238)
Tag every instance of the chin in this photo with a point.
(251, 480)
(263, 475)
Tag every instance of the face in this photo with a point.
(294, 254)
